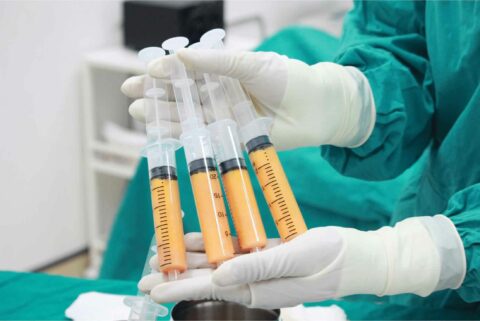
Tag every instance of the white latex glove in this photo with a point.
(198, 268)
(419, 255)
(133, 87)
(310, 105)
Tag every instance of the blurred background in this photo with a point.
(68, 146)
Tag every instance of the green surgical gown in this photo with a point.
(423, 63)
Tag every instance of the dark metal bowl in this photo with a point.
(220, 310)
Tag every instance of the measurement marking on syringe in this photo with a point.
(265, 186)
(273, 202)
(259, 167)
(283, 217)
(290, 235)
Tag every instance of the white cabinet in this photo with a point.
(107, 165)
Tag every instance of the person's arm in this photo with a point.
(419, 255)
(464, 211)
(385, 41)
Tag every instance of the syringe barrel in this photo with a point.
(213, 98)
(254, 132)
(186, 96)
(206, 187)
(228, 154)
(276, 189)
(235, 92)
(225, 141)
(208, 196)
(196, 144)
(237, 185)
(160, 154)
(157, 109)
(167, 215)
(167, 218)
(255, 128)
(250, 126)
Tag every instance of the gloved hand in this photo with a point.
(133, 87)
(419, 255)
(310, 105)
(199, 271)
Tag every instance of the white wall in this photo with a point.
(41, 49)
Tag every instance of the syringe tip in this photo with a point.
(172, 275)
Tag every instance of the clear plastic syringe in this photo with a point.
(233, 169)
(254, 133)
(195, 139)
(160, 153)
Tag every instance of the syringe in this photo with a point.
(160, 153)
(199, 154)
(229, 157)
(262, 153)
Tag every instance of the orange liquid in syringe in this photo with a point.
(277, 191)
(211, 213)
(167, 218)
(243, 206)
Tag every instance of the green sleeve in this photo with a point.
(464, 211)
(385, 40)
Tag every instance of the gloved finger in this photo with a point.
(137, 110)
(199, 287)
(197, 260)
(286, 260)
(168, 110)
(288, 292)
(148, 282)
(194, 242)
(153, 263)
(133, 87)
(272, 243)
(162, 67)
